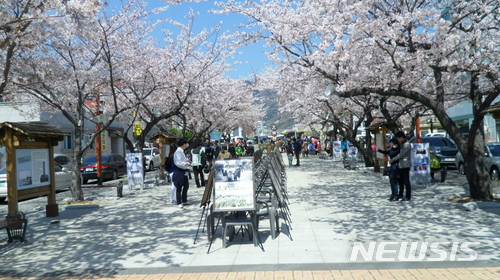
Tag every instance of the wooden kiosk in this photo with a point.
(380, 130)
(29, 163)
(163, 140)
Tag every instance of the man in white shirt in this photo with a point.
(181, 172)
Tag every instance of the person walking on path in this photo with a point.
(298, 151)
(289, 152)
(238, 150)
(310, 148)
(249, 150)
(180, 177)
(217, 150)
(224, 154)
(404, 163)
(232, 150)
(343, 147)
(209, 152)
(305, 150)
(394, 178)
(198, 161)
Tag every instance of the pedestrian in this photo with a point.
(209, 152)
(297, 150)
(305, 150)
(374, 148)
(181, 172)
(169, 162)
(217, 149)
(232, 150)
(343, 147)
(238, 150)
(404, 164)
(395, 179)
(311, 148)
(328, 147)
(270, 147)
(289, 152)
(198, 161)
(224, 154)
(250, 149)
(169, 170)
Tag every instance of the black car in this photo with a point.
(443, 148)
(113, 166)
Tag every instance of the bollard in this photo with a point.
(119, 189)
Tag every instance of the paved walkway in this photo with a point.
(343, 227)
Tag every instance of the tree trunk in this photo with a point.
(478, 176)
(369, 162)
(76, 180)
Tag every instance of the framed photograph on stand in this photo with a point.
(234, 188)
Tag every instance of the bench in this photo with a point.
(119, 188)
(16, 228)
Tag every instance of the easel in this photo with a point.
(205, 202)
(223, 203)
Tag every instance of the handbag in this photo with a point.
(387, 171)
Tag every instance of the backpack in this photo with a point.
(196, 159)
(238, 150)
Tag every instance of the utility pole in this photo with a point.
(98, 152)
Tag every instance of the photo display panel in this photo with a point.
(234, 188)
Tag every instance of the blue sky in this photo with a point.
(252, 57)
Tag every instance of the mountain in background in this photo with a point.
(273, 116)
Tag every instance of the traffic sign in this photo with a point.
(137, 128)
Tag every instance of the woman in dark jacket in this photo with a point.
(394, 179)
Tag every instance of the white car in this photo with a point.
(62, 174)
(151, 158)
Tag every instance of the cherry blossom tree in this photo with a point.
(89, 57)
(435, 53)
(183, 78)
(224, 104)
(452, 58)
(22, 27)
(309, 52)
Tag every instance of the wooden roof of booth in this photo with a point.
(35, 130)
(494, 110)
(377, 126)
(164, 137)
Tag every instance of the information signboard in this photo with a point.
(234, 188)
(135, 169)
(32, 166)
(420, 172)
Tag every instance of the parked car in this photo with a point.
(443, 148)
(151, 158)
(113, 166)
(491, 159)
(63, 160)
(62, 180)
(435, 135)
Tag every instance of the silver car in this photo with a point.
(491, 159)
